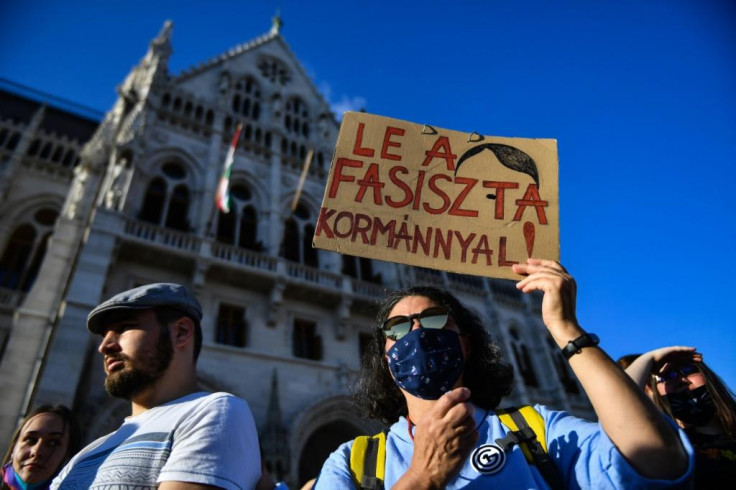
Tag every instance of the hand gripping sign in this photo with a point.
(437, 198)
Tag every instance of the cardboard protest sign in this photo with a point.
(432, 197)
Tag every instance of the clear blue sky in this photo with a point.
(641, 96)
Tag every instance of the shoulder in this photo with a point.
(563, 419)
(221, 402)
(335, 472)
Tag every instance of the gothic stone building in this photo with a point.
(90, 208)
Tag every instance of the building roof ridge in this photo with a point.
(221, 58)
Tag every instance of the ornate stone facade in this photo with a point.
(284, 324)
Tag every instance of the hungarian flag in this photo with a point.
(222, 198)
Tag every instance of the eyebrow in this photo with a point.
(37, 432)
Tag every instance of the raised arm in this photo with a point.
(656, 360)
(632, 422)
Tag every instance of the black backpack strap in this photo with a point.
(370, 481)
(368, 461)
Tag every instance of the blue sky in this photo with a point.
(641, 97)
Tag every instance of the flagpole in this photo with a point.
(302, 177)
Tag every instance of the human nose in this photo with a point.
(109, 343)
(37, 450)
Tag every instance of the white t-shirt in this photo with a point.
(207, 438)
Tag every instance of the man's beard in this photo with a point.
(138, 374)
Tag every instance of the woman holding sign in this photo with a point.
(433, 371)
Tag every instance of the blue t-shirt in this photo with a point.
(581, 449)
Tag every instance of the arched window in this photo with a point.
(57, 154)
(246, 98)
(297, 242)
(68, 158)
(359, 268)
(248, 229)
(167, 199)
(310, 253)
(226, 227)
(523, 359)
(178, 216)
(153, 202)
(46, 151)
(15, 257)
(239, 226)
(290, 248)
(295, 117)
(13, 142)
(35, 265)
(24, 251)
(33, 148)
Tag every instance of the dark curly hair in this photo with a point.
(485, 374)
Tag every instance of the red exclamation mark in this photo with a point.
(529, 237)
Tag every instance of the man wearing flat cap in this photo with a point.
(177, 437)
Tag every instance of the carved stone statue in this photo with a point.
(76, 195)
(118, 183)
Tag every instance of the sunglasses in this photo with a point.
(676, 373)
(397, 326)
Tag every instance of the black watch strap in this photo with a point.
(574, 346)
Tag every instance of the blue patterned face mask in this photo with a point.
(426, 362)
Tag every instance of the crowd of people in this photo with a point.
(432, 374)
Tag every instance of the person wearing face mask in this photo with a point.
(433, 372)
(686, 389)
(41, 444)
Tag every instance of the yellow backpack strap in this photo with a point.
(368, 461)
(527, 429)
(508, 421)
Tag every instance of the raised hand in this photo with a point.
(560, 290)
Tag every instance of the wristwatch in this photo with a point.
(575, 346)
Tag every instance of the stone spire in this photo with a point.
(274, 438)
(160, 47)
(274, 407)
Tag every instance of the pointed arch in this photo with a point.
(25, 248)
(310, 441)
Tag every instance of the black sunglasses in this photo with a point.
(433, 317)
(676, 373)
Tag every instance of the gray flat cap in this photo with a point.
(159, 295)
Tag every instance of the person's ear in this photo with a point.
(183, 331)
